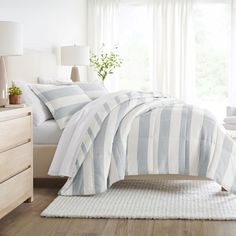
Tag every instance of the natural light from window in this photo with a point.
(211, 23)
(212, 37)
(134, 47)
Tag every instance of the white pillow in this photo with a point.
(40, 112)
(62, 101)
(50, 80)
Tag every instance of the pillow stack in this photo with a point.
(58, 99)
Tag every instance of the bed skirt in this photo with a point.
(43, 155)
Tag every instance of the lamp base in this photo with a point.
(3, 83)
(75, 74)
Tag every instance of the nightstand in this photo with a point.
(16, 158)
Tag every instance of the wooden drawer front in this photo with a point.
(14, 132)
(15, 160)
(15, 191)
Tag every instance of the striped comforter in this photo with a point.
(134, 133)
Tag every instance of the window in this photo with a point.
(211, 28)
(134, 47)
(212, 48)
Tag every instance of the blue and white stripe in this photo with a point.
(143, 134)
(62, 101)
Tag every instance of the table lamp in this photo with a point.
(75, 56)
(10, 45)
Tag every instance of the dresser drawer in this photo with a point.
(14, 132)
(15, 160)
(15, 190)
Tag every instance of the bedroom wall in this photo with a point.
(49, 24)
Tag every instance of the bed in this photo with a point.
(135, 133)
(98, 138)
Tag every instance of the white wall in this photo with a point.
(49, 24)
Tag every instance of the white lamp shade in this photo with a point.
(75, 55)
(10, 38)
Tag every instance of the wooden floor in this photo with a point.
(26, 221)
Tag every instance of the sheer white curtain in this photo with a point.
(232, 83)
(173, 48)
(170, 36)
(102, 29)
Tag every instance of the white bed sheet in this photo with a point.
(47, 133)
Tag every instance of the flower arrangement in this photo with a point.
(105, 63)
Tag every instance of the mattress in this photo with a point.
(47, 133)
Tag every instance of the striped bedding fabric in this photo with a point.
(134, 133)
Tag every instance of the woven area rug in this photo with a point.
(150, 199)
